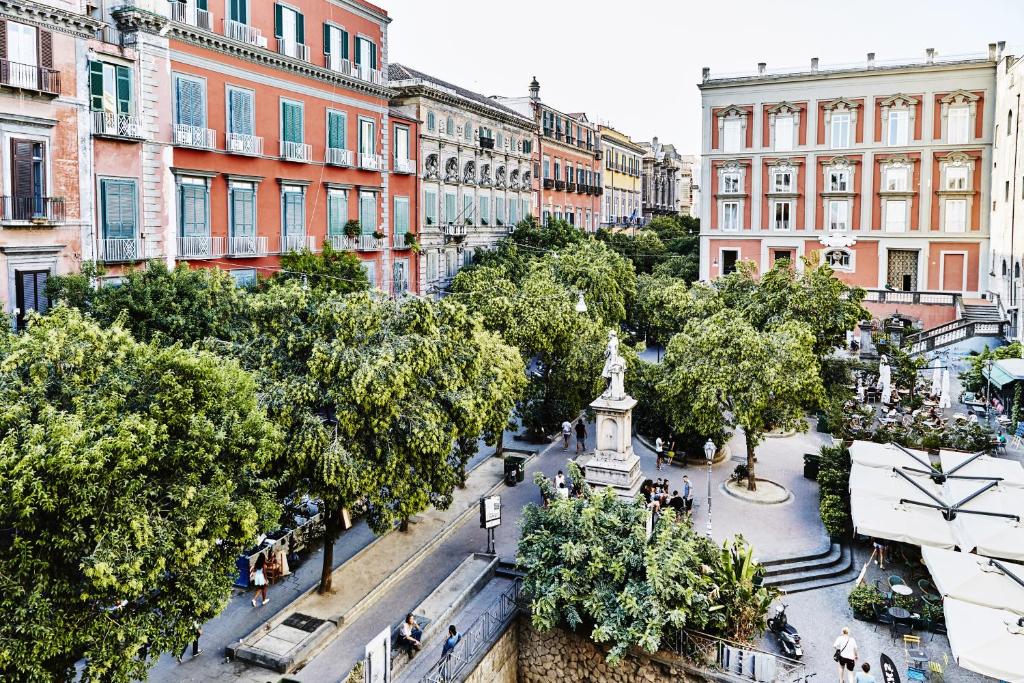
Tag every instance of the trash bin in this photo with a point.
(515, 469)
(812, 463)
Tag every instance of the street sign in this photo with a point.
(377, 668)
(490, 512)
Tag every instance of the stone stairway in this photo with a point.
(980, 311)
(830, 565)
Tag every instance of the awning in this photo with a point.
(976, 579)
(985, 640)
(1004, 371)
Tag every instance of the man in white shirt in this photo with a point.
(846, 654)
(566, 433)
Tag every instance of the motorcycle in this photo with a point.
(786, 634)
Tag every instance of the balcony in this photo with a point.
(369, 243)
(400, 240)
(105, 124)
(247, 245)
(404, 166)
(371, 162)
(486, 143)
(189, 14)
(200, 247)
(454, 230)
(337, 63)
(121, 250)
(243, 33)
(598, 190)
(548, 183)
(342, 242)
(571, 186)
(29, 77)
(109, 35)
(296, 151)
(559, 184)
(339, 157)
(34, 210)
(194, 136)
(365, 73)
(290, 243)
(290, 48)
(240, 143)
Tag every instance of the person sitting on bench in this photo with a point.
(410, 634)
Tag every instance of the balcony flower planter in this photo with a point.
(352, 228)
(378, 235)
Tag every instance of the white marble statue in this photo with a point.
(614, 369)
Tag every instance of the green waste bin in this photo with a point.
(515, 469)
(812, 463)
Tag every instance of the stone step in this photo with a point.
(816, 577)
(818, 553)
(832, 558)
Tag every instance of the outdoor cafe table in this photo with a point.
(902, 589)
(899, 613)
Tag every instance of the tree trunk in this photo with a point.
(751, 481)
(404, 524)
(500, 450)
(332, 526)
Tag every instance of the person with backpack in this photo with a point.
(845, 655)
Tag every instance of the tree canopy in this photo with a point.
(132, 476)
(340, 272)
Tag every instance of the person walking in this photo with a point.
(845, 655)
(259, 580)
(446, 650)
(581, 436)
(864, 675)
(687, 493)
(659, 445)
(196, 650)
(566, 434)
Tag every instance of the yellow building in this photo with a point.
(623, 163)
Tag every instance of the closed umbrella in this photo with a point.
(936, 381)
(945, 399)
(975, 579)
(985, 640)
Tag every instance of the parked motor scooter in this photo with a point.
(785, 633)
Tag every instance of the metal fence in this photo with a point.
(735, 661)
(477, 637)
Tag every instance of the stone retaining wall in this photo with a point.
(499, 665)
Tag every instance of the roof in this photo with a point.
(1005, 371)
(399, 72)
(399, 114)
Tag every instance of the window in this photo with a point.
(367, 144)
(500, 141)
(431, 122)
(839, 259)
(956, 215)
(30, 294)
(467, 208)
(895, 215)
(839, 180)
(336, 130)
(238, 10)
(293, 216)
(370, 268)
(241, 112)
(189, 101)
(243, 277)
(783, 133)
(730, 215)
(485, 210)
(449, 207)
(547, 167)
(729, 259)
(840, 130)
(730, 183)
(401, 215)
(899, 127)
(289, 26)
(367, 212)
(467, 131)
(838, 215)
(956, 177)
(243, 209)
(450, 129)
(110, 88)
(118, 206)
(28, 178)
(526, 208)
(400, 277)
(292, 128)
(366, 53)
(23, 48)
(558, 170)
(335, 46)
(513, 211)
(430, 206)
(958, 121)
(783, 218)
(731, 131)
(337, 212)
(431, 265)
(194, 207)
(499, 211)
(896, 179)
(783, 180)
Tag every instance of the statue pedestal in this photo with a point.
(613, 462)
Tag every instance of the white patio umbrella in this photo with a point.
(885, 484)
(988, 535)
(1010, 472)
(945, 399)
(902, 523)
(974, 579)
(886, 455)
(985, 640)
(936, 380)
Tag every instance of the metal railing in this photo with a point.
(479, 636)
(342, 242)
(404, 166)
(338, 63)
(29, 77)
(369, 243)
(117, 125)
(291, 48)
(729, 659)
(240, 143)
(454, 230)
(371, 162)
(399, 240)
(243, 33)
(191, 15)
(194, 136)
(200, 247)
(296, 151)
(291, 243)
(121, 250)
(338, 157)
(365, 73)
(34, 209)
(247, 245)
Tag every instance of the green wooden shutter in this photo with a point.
(430, 206)
(359, 51)
(401, 215)
(201, 4)
(373, 56)
(194, 220)
(240, 112)
(239, 11)
(124, 90)
(327, 38)
(367, 213)
(300, 28)
(335, 130)
(243, 212)
(293, 219)
(291, 128)
(278, 20)
(449, 207)
(190, 103)
(96, 85)
(344, 44)
(118, 208)
(337, 214)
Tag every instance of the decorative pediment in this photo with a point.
(784, 163)
(784, 108)
(899, 100)
(959, 97)
(841, 104)
(841, 162)
(839, 240)
(732, 110)
(958, 159)
(731, 167)
(899, 160)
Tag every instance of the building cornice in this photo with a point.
(130, 18)
(51, 18)
(363, 11)
(859, 72)
(419, 88)
(211, 41)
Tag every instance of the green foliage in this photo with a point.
(972, 379)
(529, 234)
(590, 566)
(863, 600)
(833, 488)
(132, 476)
(833, 514)
(75, 289)
(352, 228)
(340, 272)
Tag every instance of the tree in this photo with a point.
(132, 477)
(556, 234)
(340, 272)
(723, 371)
(590, 566)
(606, 279)
(665, 305)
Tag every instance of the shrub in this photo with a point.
(833, 514)
(863, 599)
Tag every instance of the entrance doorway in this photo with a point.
(902, 270)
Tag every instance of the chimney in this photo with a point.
(705, 73)
(871, 60)
(930, 52)
(814, 63)
(760, 68)
(534, 90)
(992, 47)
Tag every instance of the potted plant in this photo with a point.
(412, 242)
(863, 599)
(378, 235)
(352, 228)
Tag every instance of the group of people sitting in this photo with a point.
(655, 492)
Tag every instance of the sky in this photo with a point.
(635, 65)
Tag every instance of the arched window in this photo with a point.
(431, 121)
(469, 130)
(451, 126)
(839, 259)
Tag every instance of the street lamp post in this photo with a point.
(709, 455)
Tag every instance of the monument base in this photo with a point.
(621, 475)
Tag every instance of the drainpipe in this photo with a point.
(1013, 203)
